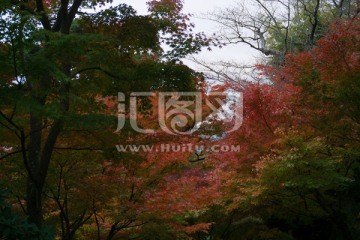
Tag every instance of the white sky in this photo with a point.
(239, 53)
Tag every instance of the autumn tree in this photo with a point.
(300, 161)
(58, 60)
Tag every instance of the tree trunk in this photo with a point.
(34, 189)
(39, 162)
(38, 154)
(34, 204)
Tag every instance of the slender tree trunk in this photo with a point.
(34, 187)
(34, 204)
(39, 160)
(40, 156)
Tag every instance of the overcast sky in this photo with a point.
(240, 53)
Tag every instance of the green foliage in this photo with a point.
(57, 105)
(15, 226)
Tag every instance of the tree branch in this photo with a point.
(95, 68)
(44, 18)
(9, 154)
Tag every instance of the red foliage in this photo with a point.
(305, 93)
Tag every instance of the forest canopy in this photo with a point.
(106, 134)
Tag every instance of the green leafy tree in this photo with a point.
(58, 62)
